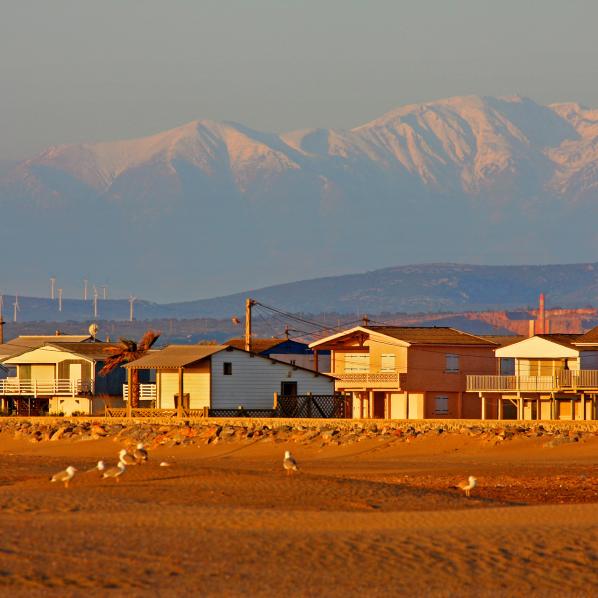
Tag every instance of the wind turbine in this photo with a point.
(52, 286)
(59, 299)
(131, 303)
(95, 301)
(105, 291)
(85, 281)
(16, 308)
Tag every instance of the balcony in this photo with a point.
(566, 380)
(368, 380)
(147, 392)
(13, 387)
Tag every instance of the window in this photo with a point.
(452, 363)
(441, 405)
(356, 362)
(388, 363)
(227, 368)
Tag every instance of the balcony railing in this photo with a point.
(564, 380)
(147, 392)
(45, 388)
(368, 379)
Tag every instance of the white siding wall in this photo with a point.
(254, 381)
(305, 361)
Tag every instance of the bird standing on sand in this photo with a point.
(126, 458)
(140, 454)
(64, 476)
(99, 467)
(289, 463)
(114, 472)
(468, 486)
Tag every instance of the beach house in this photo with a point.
(402, 372)
(545, 376)
(225, 377)
(60, 377)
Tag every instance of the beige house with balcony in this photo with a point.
(546, 376)
(402, 372)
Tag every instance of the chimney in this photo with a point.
(531, 328)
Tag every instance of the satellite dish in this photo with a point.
(93, 330)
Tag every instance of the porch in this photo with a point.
(368, 380)
(16, 387)
(563, 381)
(147, 392)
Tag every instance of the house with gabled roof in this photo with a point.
(545, 376)
(60, 377)
(405, 372)
(225, 377)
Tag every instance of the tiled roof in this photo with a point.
(502, 340)
(591, 336)
(20, 344)
(566, 340)
(175, 356)
(431, 335)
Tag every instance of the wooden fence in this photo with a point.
(149, 412)
(335, 406)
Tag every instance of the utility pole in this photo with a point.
(59, 299)
(85, 281)
(52, 286)
(249, 303)
(366, 320)
(131, 303)
(2, 322)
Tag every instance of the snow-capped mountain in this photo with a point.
(466, 178)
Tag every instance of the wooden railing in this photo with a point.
(564, 380)
(147, 392)
(45, 388)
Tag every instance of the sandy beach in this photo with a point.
(373, 518)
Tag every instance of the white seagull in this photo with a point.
(99, 467)
(468, 486)
(140, 454)
(289, 463)
(64, 476)
(114, 472)
(125, 458)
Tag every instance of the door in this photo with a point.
(379, 405)
(564, 409)
(288, 389)
(75, 375)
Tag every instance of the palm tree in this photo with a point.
(126, 352)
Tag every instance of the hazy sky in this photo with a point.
(79, 70)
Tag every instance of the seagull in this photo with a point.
(64, 476)
(289, 462)
(140, 454)
(115, 472)
(125, 458)
(468, 486)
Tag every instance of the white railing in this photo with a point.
(147, 392)
(45, 388)
(566, 379)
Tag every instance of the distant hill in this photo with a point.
(210, 204)
(408, 289)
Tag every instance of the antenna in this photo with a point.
(59, 299)
(85, 282)
(52, 287)
(16, 308)
(95, 302)
(131, 303)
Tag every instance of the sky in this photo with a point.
(79, 70)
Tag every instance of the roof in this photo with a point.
(502, 340)
(258, 345)
(20, 344)
(95, 351)
(590, 337)
(566, 340)
(430, 335)
(175, 356)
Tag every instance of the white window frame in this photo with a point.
(389, 357)
(451, 363)
(441, 410)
